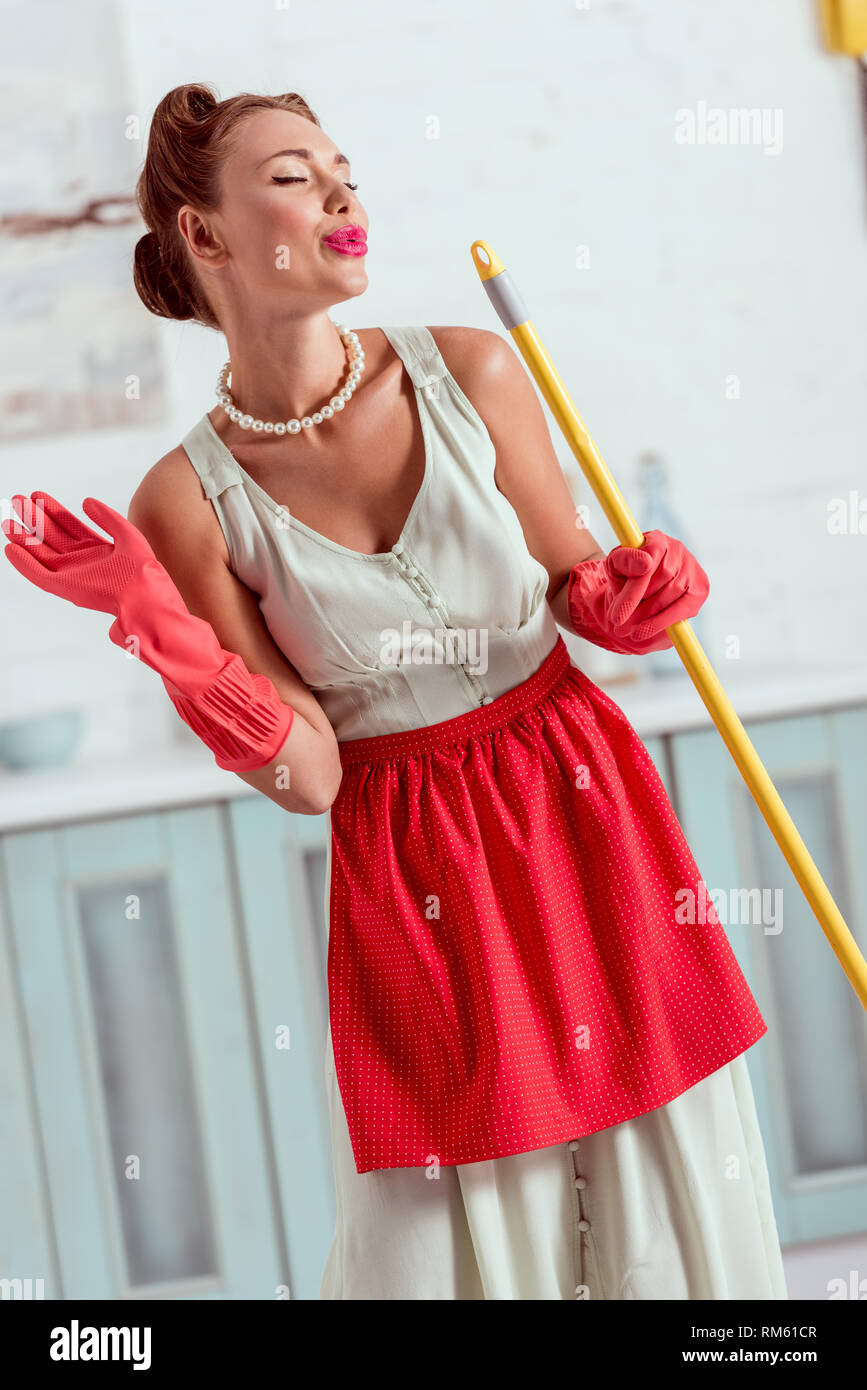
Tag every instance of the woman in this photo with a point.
(535, 1065)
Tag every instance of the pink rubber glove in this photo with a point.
(238, 715)
(626, 601)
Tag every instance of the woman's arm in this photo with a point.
(528, 471)
(181, 527)
(625, 600)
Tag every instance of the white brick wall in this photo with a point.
(557, 130)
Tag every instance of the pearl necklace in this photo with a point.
(337, 403)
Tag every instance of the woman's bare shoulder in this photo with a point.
(475, 357)
(171, 510)
(461, 337)
(484, 365)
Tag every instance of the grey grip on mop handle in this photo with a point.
(506, 300)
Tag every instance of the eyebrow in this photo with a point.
(305, 154)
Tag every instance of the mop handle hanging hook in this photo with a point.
(498, 286)
(513, 314)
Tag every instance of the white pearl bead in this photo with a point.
(317, 417)
(258, 426)
(306, 423)
(245, 422)
(279, 428)
(293, 426)
(344, 394)
(327, 412)
(269, 426)
(338, 403)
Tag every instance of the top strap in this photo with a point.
(214, 463)
(419, 353)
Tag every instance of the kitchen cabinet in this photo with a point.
(144, 1160)
(281, 865)
(809, 1071)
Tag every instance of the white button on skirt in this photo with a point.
(674, 1204)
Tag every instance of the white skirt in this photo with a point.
(674, 1204)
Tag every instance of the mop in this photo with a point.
(514, 317)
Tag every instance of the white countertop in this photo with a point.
(185, 773)
(673, 704)
(88, 790)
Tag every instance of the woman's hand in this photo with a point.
(71, 560)
(653, 586)
(237, 714)
(121, 576)
(626, 601)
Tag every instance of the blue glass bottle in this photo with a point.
(657, 514)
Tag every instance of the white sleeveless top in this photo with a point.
(453, 615)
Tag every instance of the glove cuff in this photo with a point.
(240, 717)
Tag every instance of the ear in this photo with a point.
(198, 232)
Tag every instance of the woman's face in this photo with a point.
(276, 210)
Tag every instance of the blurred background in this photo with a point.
(680, 194)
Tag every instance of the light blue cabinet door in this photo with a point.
(26, 1240)
(281, 865)
(809, 1071)
(145, 1070)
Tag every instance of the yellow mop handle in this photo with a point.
(515, 318)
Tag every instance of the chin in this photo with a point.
(355, 283)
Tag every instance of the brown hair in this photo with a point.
(190, 134)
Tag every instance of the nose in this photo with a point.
(340, 198)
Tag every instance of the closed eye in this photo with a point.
(299, 178)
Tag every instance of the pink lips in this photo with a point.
(349, 241)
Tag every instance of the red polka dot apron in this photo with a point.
(508, 963)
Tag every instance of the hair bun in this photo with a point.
(161, 288)
(200, 100)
